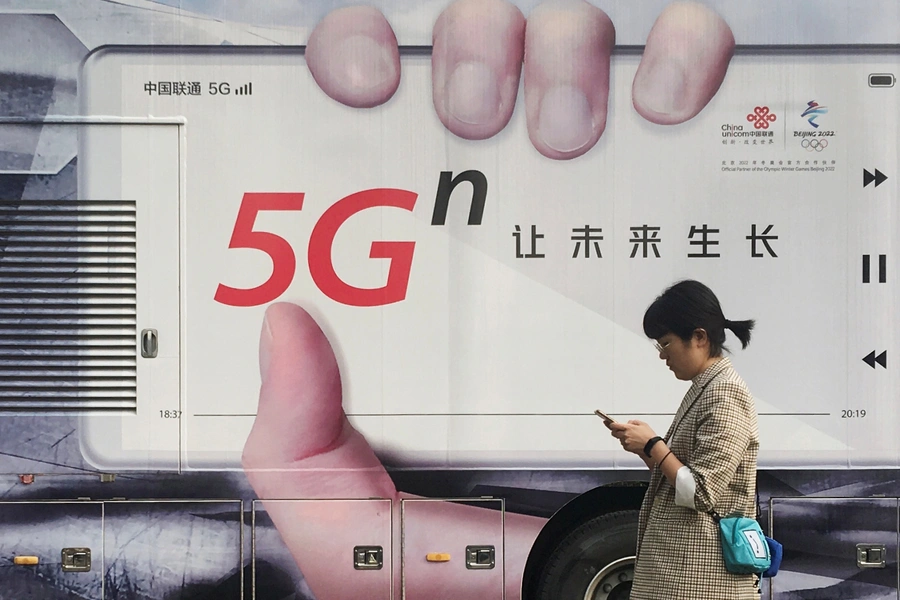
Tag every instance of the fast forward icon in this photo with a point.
(870, 359)
(878, 177)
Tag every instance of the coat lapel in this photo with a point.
(699, 384)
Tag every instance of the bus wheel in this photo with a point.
(593, 562)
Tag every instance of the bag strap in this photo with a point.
(716, 517)
(758, 510)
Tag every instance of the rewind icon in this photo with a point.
(870, 359)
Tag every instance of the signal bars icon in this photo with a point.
(244, 90)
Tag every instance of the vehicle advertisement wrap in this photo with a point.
(317, 300)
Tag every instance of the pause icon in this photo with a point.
(867, 268)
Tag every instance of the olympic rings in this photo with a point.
(814, 144)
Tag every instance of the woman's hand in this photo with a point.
(633, 435)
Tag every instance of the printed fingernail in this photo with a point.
(662, 87)
(473, 93)
(265, 349)
(367, 63)
(565, 122)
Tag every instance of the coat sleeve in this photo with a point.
(723, 436)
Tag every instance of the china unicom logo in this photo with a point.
(814, 110)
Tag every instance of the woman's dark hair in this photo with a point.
(687, 306)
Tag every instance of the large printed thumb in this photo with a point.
(302, 448)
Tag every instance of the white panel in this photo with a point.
(423, 572)
(140, 162)
(329, 569)
(42, 529)
(496, 341)
(820, 538)
(173, 548)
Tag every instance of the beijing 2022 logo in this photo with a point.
(816, 140)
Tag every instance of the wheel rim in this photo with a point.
(613, 582)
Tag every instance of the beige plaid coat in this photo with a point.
(679, 556)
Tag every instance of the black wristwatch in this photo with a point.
(649, 446)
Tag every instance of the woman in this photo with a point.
(707, 461)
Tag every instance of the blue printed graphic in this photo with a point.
(813, 111)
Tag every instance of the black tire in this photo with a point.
(597, 554)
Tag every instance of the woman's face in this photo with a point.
(686, 359)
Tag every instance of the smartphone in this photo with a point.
(604, 416)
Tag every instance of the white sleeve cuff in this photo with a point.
(685, 488)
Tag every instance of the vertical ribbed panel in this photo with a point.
(68, 305)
